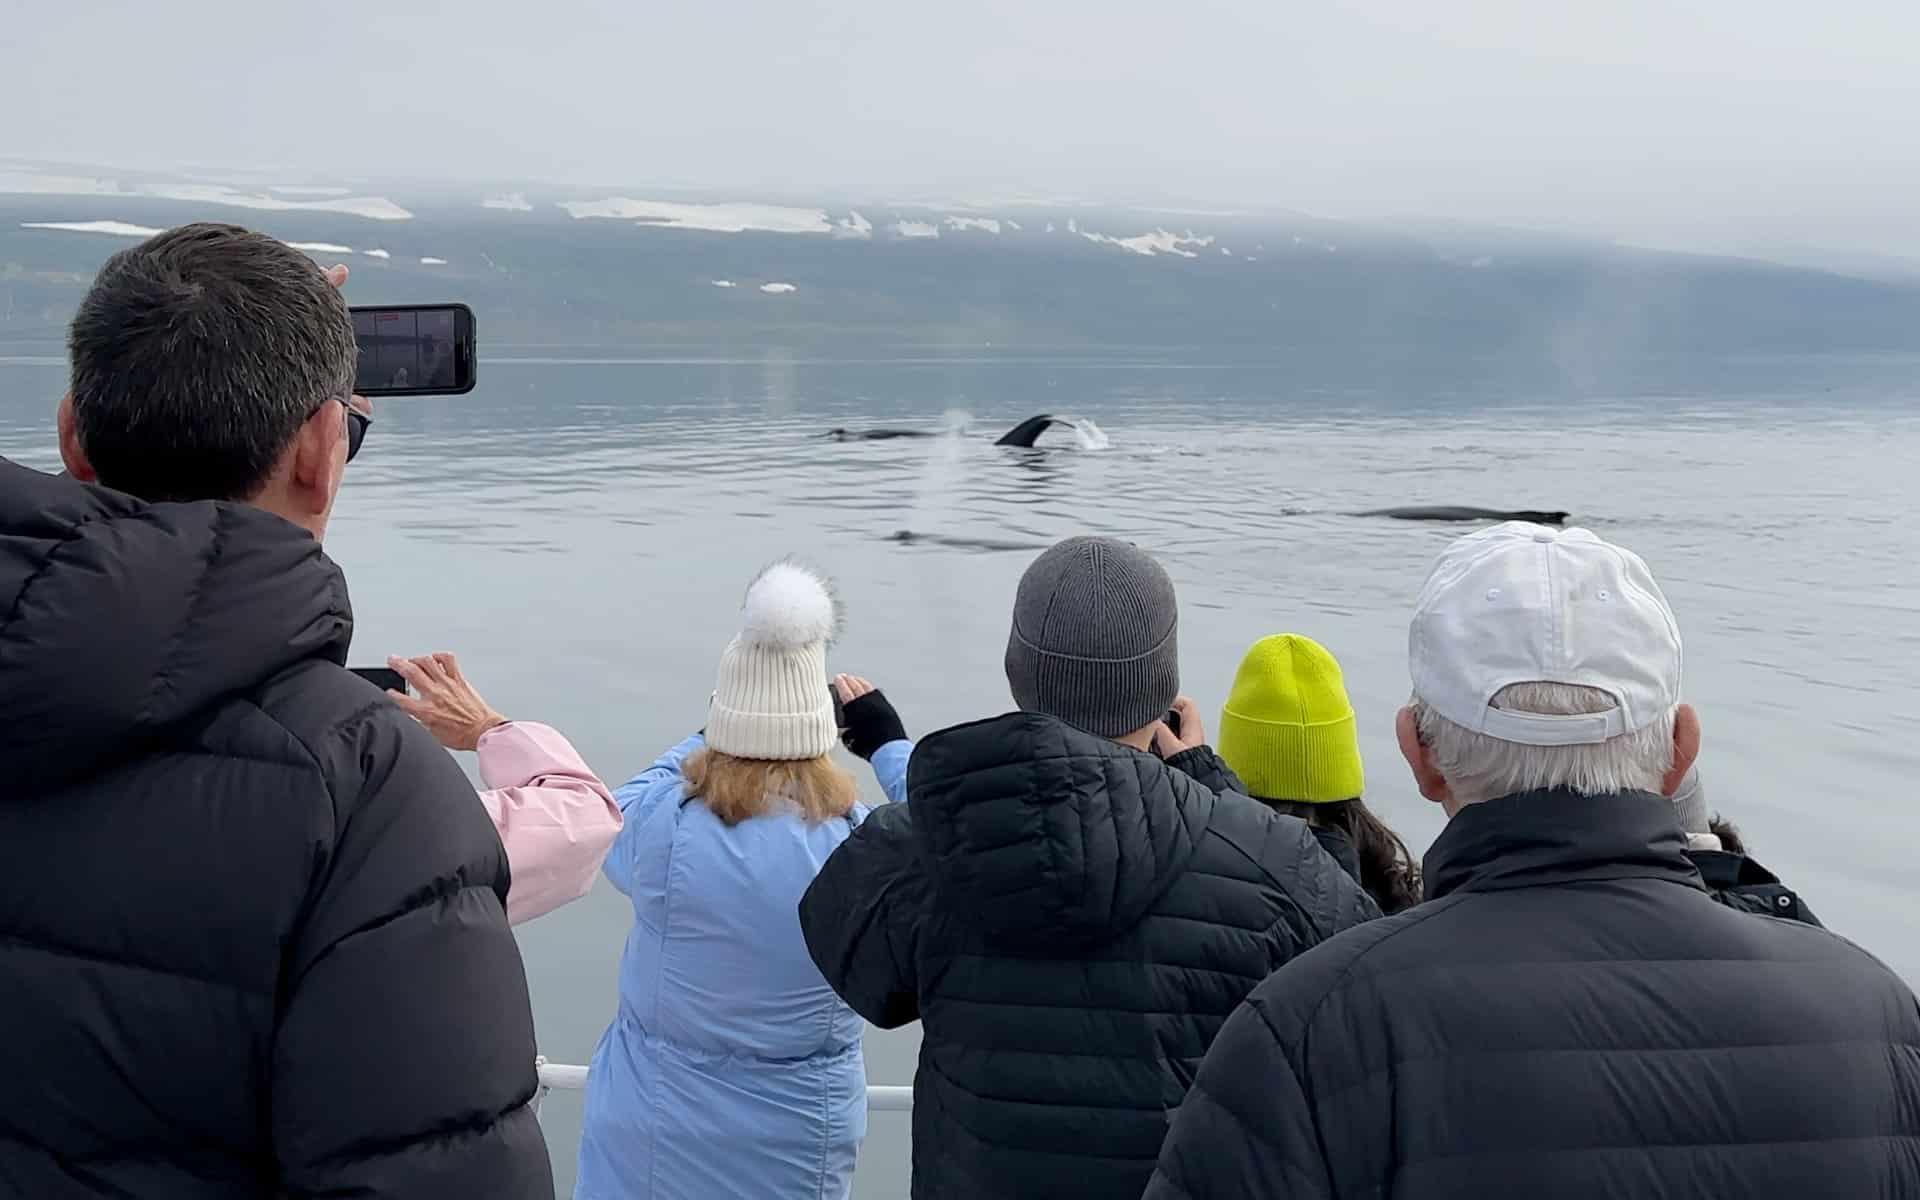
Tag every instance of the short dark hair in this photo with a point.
(197, 355)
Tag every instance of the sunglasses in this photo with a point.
(357, 423)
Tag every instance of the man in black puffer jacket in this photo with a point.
(252, 932)
(1570, 1013)
(1069, 917)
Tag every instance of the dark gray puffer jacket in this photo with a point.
(252, 934)
(1569, 1014)
(1071, 921)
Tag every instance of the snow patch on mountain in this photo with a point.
(1159, 242)
(511, 202)
(778, 289)
(915, 229)
(983, 224)
(116, 228)
(710, 218)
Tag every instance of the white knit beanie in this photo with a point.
(770, 701)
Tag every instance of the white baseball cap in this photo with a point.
(1522, 603)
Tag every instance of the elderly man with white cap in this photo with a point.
(1569, 1014)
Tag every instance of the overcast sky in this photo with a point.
(1693, 123)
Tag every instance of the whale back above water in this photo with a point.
(1455, 512)
(876, 435)
(1024, 434)
(908, 537)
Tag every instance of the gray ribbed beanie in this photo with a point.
(1093, 641)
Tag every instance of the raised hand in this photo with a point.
(1167, 743)
(870, 719)
(450, 707)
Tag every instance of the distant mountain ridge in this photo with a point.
(647, 272)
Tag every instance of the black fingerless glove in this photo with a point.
(871, 724)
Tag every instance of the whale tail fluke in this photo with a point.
(1028, 431)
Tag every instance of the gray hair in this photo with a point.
(1479, 767)
(197, 356)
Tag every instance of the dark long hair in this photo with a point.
(1728, 833)
(1388, 872)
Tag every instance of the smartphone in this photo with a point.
(414, 350)
(839, 709)
(1172, 721)
(384, 678)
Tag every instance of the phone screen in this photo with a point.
(384, 678)
(414, 350)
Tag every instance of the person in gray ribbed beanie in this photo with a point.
(1094, 637)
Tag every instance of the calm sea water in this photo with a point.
(580, 533)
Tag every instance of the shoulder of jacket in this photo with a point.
(355, 737)
(887, 829)
(313, 698)
(291, 719)
(1291, 998)
(1274, 844)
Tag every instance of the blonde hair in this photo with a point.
(737, 789)
(1481, 767)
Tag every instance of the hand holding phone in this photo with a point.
(450, 707)
(1180, 730)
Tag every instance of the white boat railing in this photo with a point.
(571, 1077)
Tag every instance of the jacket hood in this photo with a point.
(1036, 833)
(120, 619)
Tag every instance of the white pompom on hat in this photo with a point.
(770, 701)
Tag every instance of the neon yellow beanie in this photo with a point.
(1287, 729)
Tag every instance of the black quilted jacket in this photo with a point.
(1070, 921)
(1571, 1015)
(252, 940)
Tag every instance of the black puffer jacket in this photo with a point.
(252, 937)
(1569, 1015)
(1071, 921)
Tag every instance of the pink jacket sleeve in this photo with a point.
(556, 819)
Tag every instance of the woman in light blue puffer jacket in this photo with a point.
(731, 1068)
